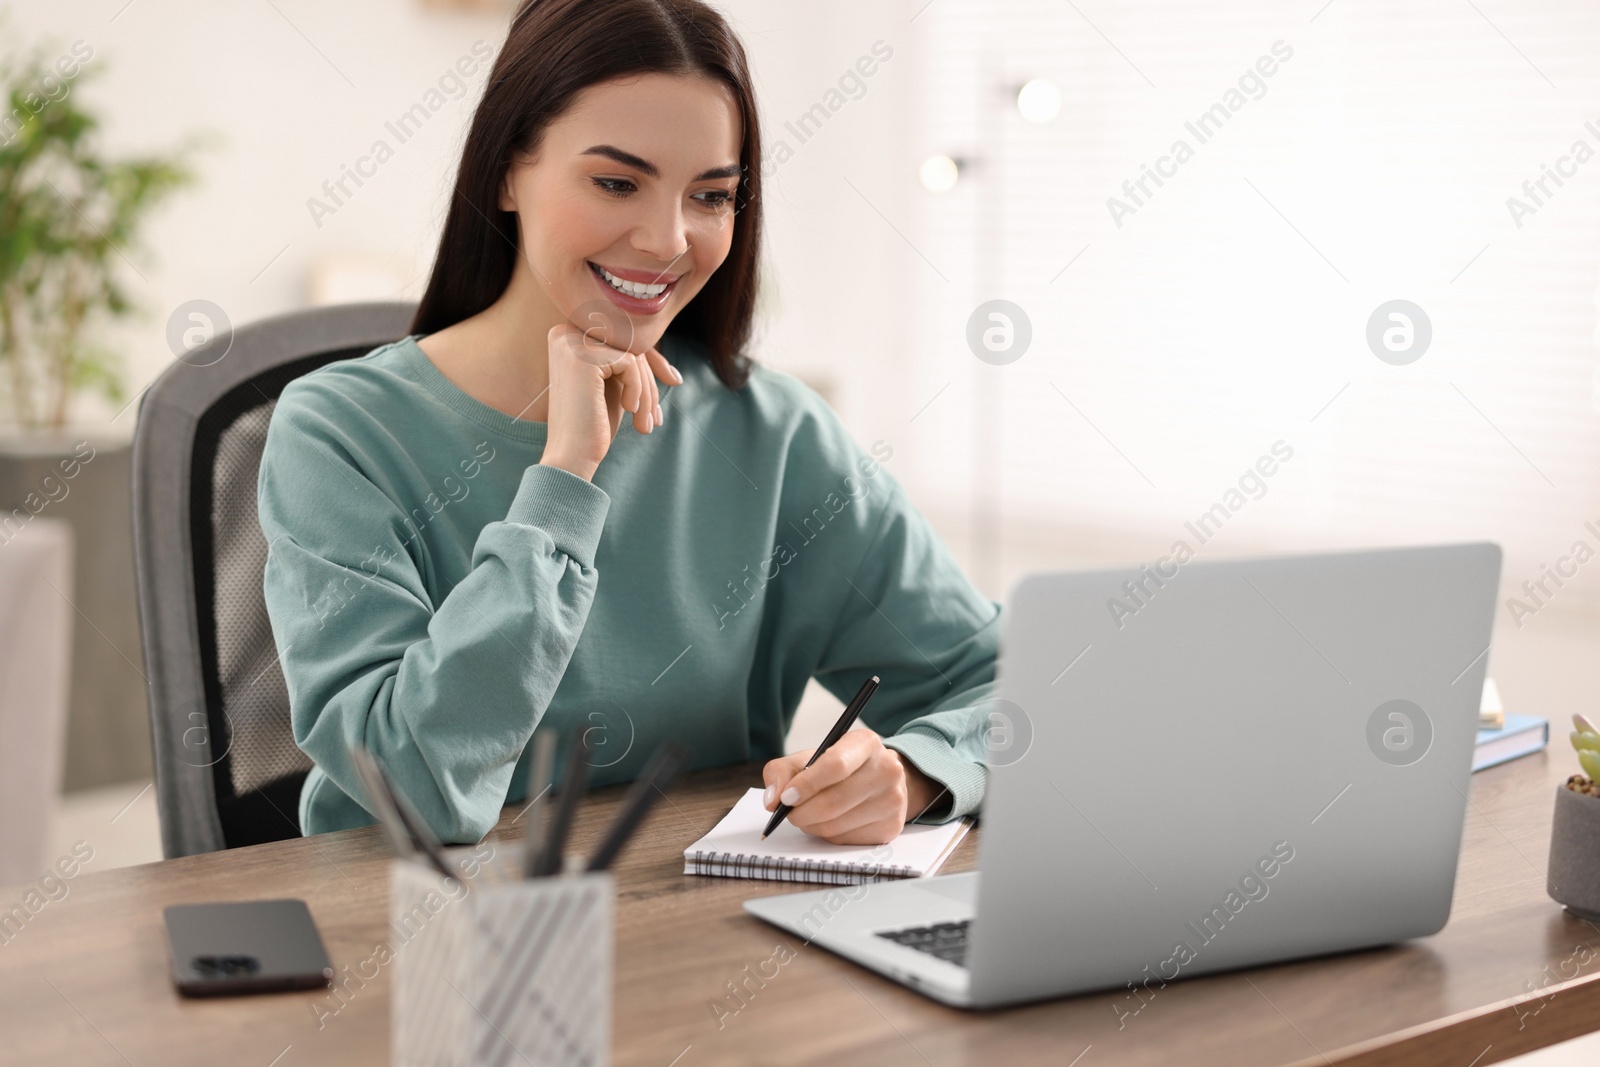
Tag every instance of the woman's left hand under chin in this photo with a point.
(859, 792)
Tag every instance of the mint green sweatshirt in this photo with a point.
(438, 595)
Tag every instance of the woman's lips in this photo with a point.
(635, 304)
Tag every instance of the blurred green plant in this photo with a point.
(70, 218)
(1586, 739)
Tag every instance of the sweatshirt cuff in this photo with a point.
(932, 755)
(572, 510)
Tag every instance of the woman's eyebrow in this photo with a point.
(628, 159)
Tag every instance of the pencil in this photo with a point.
(663, 767)
(574, 780)
(544, 751)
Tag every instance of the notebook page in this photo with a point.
(920, 846)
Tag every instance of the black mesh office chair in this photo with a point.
(227, 770)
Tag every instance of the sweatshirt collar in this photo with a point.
(459, 400)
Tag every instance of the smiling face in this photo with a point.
(627, 207)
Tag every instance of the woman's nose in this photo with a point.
(663, 235)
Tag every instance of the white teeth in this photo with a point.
(638, 289)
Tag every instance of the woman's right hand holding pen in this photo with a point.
(858, 792)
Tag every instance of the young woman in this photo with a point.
(568, 496)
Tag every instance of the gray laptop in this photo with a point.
(1199, 767)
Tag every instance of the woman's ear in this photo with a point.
(508, 188)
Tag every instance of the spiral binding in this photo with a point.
(779, 868)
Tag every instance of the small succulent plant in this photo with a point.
(1586, 739)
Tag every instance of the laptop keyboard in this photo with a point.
(948, 941)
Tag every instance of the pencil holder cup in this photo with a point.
(500, 969)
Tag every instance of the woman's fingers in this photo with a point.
(663, 370)
(777, 772)
(865, 824)
(846, 815)
(614, 412)
(644, 415)
(661, 416)
(628, 371)
(655, 389)
(855, 793)
(636, 376)
(852, 751)
(869, 788)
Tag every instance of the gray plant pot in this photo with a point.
(1575, 853)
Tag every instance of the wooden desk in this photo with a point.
(85, 981)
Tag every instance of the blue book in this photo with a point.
(1520, 735)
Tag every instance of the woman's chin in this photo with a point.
(644, 335)
(650, 338)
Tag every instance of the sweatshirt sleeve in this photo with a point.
(911, 616)
(447, 694)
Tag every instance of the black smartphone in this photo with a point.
(248, 946)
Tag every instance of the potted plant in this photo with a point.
(1575, 831)
(70, 225)
(69, 221)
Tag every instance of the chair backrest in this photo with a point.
(228, 772)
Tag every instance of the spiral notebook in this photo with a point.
(734, 849)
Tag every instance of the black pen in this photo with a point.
(658, 773)
(847, 720)
(574, 779)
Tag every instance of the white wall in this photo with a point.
(298, 90)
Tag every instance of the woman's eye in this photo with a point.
(611, 186)
(622, 187)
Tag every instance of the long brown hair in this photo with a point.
(555, 49)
